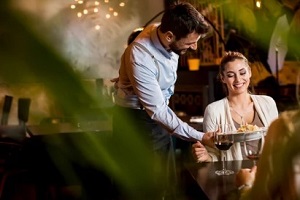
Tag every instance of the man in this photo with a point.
(147, 76)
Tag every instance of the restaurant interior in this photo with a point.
(56, 62)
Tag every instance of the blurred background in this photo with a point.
(62, 54)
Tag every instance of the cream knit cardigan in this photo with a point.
(219, 112)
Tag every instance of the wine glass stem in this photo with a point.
(223, 162)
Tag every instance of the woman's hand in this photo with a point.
(245, 177)
(200, 153)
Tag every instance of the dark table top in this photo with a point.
(214, 186)
(49, 129)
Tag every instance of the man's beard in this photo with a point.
(176, 50)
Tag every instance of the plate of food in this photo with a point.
(249, 132)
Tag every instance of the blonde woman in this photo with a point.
(238, 107)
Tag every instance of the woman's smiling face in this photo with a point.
(236, 76)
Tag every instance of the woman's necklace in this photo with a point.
(242, 116)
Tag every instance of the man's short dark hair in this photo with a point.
(182, 19)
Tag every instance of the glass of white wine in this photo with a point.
(223, 140)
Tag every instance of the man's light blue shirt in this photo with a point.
(146, 79)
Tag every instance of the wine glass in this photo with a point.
(253, 148)
(223, 140)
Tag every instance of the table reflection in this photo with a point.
(214, 186)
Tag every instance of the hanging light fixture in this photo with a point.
(109, 9)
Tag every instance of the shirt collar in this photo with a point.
(157, 43)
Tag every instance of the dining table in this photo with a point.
(78, 127)
(217, 187)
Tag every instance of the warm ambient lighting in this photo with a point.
(96, 7)
(97, 27)
(91, 6)
(258, 4)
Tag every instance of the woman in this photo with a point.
(238, 107)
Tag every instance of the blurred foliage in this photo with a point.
(254, 26)
(26, 57)
(251, 26)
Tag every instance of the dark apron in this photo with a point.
(136, 122)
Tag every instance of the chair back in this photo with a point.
(6, 109)
(23, 110)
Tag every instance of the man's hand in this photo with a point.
(208, 139)
(200, 153)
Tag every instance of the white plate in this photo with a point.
(249, 135)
